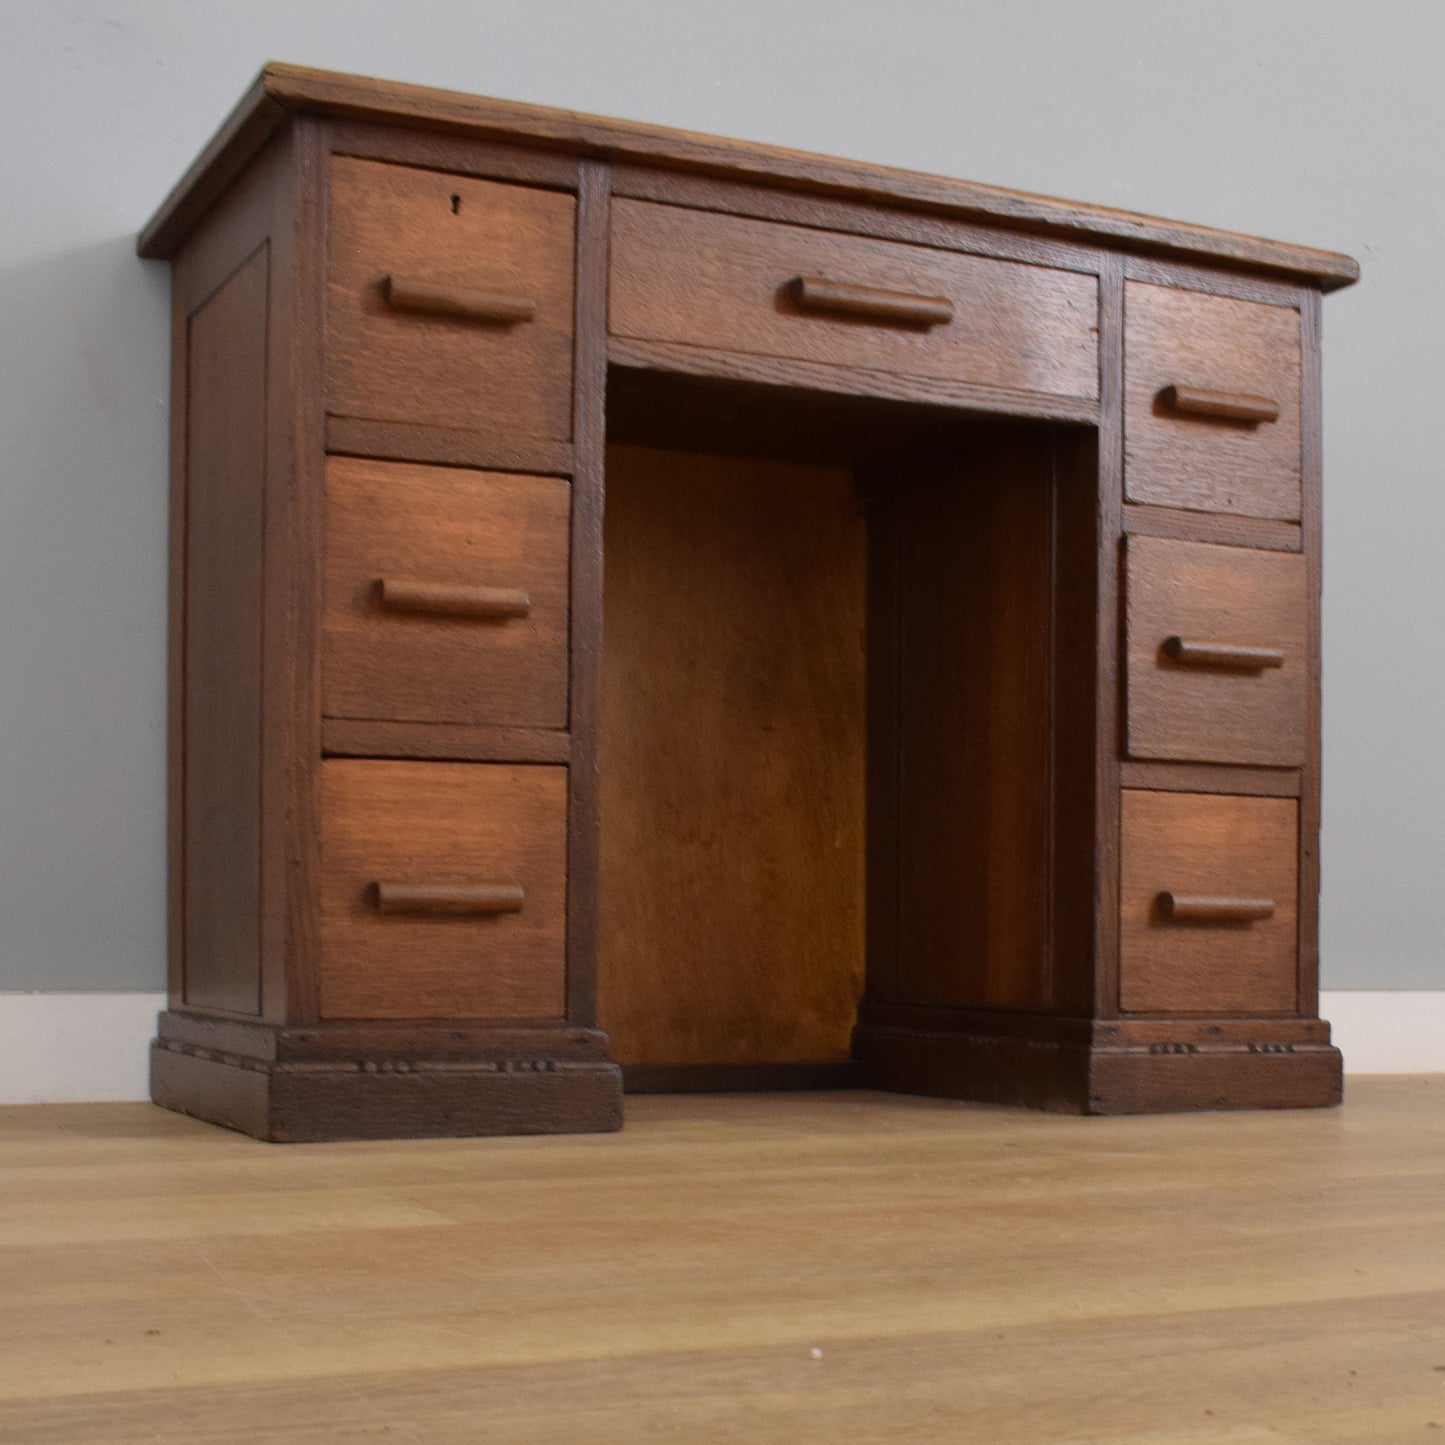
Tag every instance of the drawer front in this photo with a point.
(1218, 663)
(732, 284)
(1202, 376)
(1208, 911)
(443, 890)
(446, 595)
(449, 300)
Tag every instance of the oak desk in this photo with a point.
(947, 719)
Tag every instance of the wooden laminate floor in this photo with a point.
(837, 1268)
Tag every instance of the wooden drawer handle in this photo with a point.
(843, 298)
(444, 600)
(447, 900)
(1222, 654)
(1192, 908)
(1227, 405)
(433, 298)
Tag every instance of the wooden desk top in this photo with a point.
(281, 91)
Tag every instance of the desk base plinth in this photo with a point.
(1106, 1066)
(292, 1084)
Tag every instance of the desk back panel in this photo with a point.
(733, 735)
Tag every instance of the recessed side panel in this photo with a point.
(225, 470)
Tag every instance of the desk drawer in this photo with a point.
(443, 890)
(1211, 402)
(446, 595)
(728, 283)
(449, 300)
(1218, 662)
(1208, 909)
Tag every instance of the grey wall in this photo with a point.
(1309, 120)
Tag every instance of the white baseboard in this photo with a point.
(74, 1048)
(64, 1048)
(1387, 1031)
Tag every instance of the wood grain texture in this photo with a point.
(177, 445)
(739, 197)
(727, 283)
(449, 233)
(395, 1040)
(435, 825)
(1111, 1065)
(1305, 1305)
(1027, 1059)
(451, 900)
(981, 809)
(257, 214)
(974, 718)
(225, 473)
(295, 543)
(1177, 1078)
(447, 599)
(740, 1078)
(854, 382)
(447, 446)
(1210, 847)
(456, 153)
(1312, 480)
(732, 761)
(1189, 704)
(1175, 338)
(1173, 1036)
(785, 410)
(1108, 641)
(1211, 280)
(459, 742)
(377, 1079)
(829, 297)
(390, 1099)
(1223, 405)
(288, 89)
(884, 775)
(261, 212)
(1212, 527)
(1081, 704)
(1194, 652)
(419, 562)
(1204, 908)
(589, 485)
(464, 303)
(1161, 777)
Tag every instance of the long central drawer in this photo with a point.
(733, 284)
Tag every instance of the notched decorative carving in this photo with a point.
(362, 1066)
